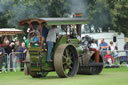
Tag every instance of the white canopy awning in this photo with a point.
(10, 31)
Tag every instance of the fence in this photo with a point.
(13, 61)
(115, 58)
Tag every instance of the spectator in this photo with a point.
(113, 52)
(108, 59)
(94, 45)
(5, 39)
(103, 46)
(113, 49)
(11, 55)
(17, 43)
(8, 50)
(22, 49)
(2, 52)
(126, 49)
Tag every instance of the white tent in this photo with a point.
(10, 31)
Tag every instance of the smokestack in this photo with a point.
(79, 7)
(78, 15)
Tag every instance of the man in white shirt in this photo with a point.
(51, 39)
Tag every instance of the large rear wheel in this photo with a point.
(66, 61)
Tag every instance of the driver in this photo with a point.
(35, 39)
(51, 39)
(44, 36)
(44, 31)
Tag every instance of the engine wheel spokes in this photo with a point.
(66, 61)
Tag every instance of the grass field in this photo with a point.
(113, 76)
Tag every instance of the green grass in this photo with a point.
(112, 76)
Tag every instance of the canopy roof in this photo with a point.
(10, 31)
(55, 21)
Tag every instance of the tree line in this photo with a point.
(106, 14)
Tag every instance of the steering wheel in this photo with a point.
(35, 33)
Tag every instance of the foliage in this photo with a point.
(100, 15)
(120, 16)
(106, 14)
(109, 14)
(12, 11)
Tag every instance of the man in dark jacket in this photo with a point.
(2, 52)
(126, 49)
(8, 49)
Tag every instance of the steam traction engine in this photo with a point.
(70, 55)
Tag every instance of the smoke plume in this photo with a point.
(5, 5)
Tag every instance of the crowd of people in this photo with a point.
(111, 51)
(10, 53)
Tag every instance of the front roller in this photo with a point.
(38, 74)
(66, 61)
(27, 62)
(27, 70)
(89, 66)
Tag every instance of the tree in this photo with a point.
(111, 14)
(120, 15)
(12, 11)
(99, 14)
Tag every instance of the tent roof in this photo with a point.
(10, 31)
